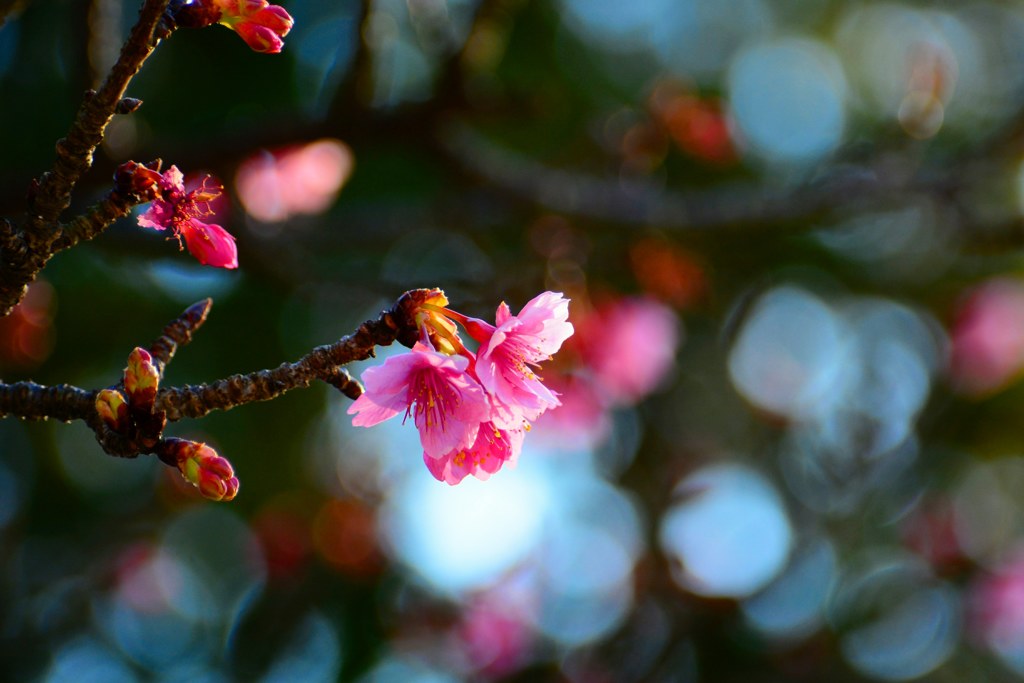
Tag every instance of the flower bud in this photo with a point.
(141, 379)
(200, 465)
(260, 24)
(113, 409)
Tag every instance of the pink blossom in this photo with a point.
(180, 210)
(492, 448)
(495, 636)
(446, 403)
(996, 606)
(988, 337)
(305, 179)
(630, 346)
(509, 351)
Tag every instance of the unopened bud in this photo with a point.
(141, 380)
(113, 409)
(202, 467)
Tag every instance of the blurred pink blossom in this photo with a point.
(495, 637)
(306, 179)
(996, 606)
(988, 337)
(630, 346)
(148, 580)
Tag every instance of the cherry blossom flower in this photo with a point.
(180, 210)
(472, 410)
(492, 448)
(509, 351)
(446, 403)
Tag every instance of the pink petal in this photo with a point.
(158, 216)
(274, 17)
(369, 413)
(211, 244)
(259, 38)
(503, 314)
(172, 179)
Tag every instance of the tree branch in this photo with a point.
(31, 401)
(24, 252)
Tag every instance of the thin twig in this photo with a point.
(178, 333)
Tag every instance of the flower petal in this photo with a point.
(211, 244)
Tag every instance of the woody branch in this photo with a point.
(31, 401)
(25, 250)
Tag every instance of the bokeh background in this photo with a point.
(791, 443)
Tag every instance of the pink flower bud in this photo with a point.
(141, 379)
(201, 466)
(259, 38)
(260, 24)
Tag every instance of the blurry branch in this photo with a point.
(612, 200)
(31, 401)
(25, 250)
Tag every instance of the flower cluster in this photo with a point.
(471, 409)
(180, 209)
